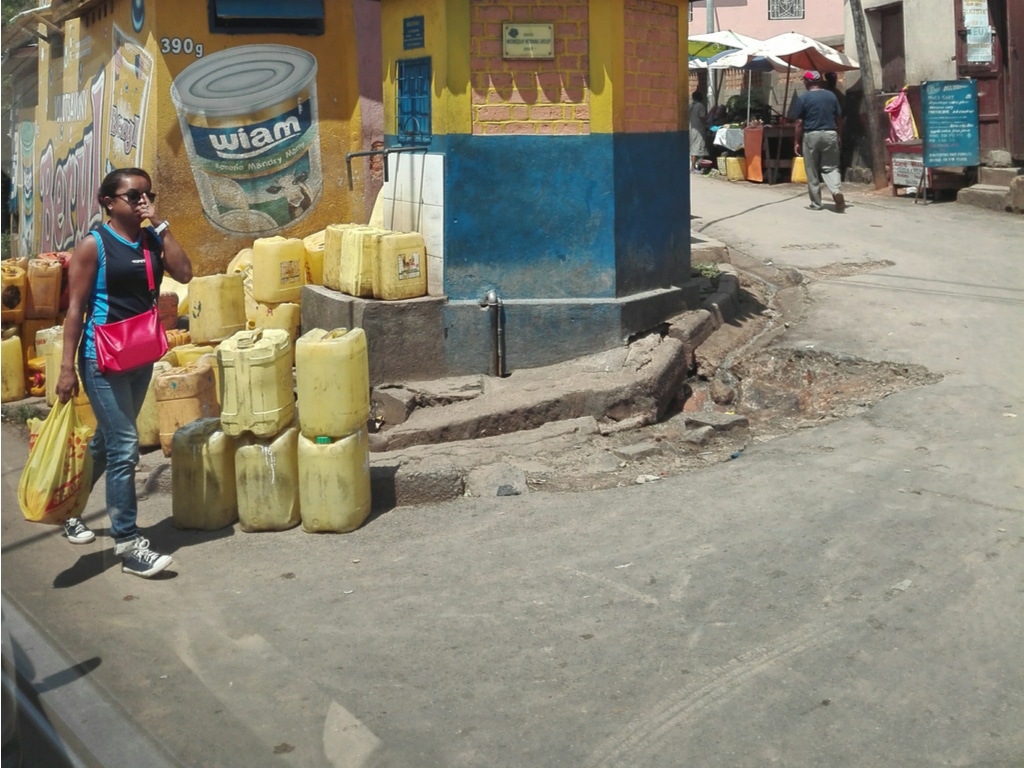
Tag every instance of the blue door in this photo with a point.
(414, 101)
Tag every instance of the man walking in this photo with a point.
(819, 123)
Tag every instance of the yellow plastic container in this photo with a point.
(267, 479)
(29, 330)
(736, 168)
(184, 395)
(799, 174)
(241, 261)
(216, 307)
(256, 382)
(333, 381)
(148, 422)
(334, 235)
(400, 267)
(53, 343)
(277, 269)
(314, 262)
(12, 370)
(286, 317)
(15, 288)
(188, 354)
(360, 248)
(334, 482)
(43, 280)
(203, 477)
(50, 344)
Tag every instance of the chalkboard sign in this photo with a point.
(950, 123)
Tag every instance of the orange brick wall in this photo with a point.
(652, 67)
(530, 97)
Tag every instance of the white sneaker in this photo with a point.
(77, 531)
(143, 561)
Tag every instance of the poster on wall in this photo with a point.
(250, 122)
(129, 102)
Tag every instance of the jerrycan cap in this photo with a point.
(248, 340)
(323, 440)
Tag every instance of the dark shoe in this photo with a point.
(840, 202)
(143, 561)
(77, 531)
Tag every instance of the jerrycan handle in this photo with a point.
(249, 339)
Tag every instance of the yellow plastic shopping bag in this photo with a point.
(57, 478)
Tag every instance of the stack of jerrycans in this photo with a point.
(258, 410)
(333, 381)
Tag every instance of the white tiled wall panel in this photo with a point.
(414, 202)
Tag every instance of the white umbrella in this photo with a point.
(804, 52)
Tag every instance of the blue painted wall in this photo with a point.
(652, 211)
(531, 216)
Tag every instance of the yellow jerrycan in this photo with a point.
(277, 269)
(267, 479)
(334, 482)
(360, 247)
(203, 477)
(400, 267)
(314, 245)
(148, 422)
(43, 280)
(256, 382)
(13, 370)
(333, 382)
(15, 290)
(183, 395)
(216, 307)
(334, 236)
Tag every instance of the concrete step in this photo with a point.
(987, 196)
(999, 177)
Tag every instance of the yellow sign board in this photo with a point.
(527, 41)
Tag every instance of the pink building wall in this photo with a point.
(822, 19)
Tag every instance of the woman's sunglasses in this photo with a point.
(133, 196)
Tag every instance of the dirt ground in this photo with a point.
(748, 386)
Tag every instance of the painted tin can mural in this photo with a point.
(250, 121)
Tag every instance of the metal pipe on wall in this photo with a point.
(495, 308)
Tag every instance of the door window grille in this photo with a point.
(785, 9)
(414, 76)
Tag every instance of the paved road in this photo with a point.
(849, 595)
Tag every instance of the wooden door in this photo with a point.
(981, 27)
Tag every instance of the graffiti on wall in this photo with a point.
(67, 185)
(249, 119)
(27, 182)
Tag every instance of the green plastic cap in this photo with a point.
(323, 440)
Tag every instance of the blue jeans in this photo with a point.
(116, 400)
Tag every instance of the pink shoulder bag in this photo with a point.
(134, 342)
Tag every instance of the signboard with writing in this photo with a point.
(412, 33)
(906, 169)
(950, 110)
(527, 41)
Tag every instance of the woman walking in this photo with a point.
(698, 131)
(114, 274)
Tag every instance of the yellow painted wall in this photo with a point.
(446, 41)
(106, 103)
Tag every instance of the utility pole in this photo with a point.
(867, 83)
(709, 6)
